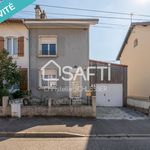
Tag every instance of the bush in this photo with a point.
(18, 94)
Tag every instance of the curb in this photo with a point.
(67, 135)
(123, 136)
(40, 134)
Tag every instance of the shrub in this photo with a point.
(18, 94)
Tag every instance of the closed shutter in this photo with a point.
(21, 46)
(24, 79)
(1, 43)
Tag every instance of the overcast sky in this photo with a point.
(107, 37)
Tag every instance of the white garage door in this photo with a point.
(109, 95)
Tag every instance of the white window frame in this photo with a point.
(12, 45)
(40, 45)
(48, 72)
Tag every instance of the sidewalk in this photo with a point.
(47, 127)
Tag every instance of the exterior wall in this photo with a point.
(73, 50)
(138, 62)
(142, 105)
(17, 30)
(76, 111)
(118, 76)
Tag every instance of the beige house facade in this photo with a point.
(14, 37)
(135, 53)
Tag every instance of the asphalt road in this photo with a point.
(75, 144)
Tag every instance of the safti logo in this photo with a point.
(74, 73)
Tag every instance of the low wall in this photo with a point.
(76, 111)
(140, 104)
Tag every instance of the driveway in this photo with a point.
(119, 113)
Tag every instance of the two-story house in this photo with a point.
(14, 37)
(50, 43)
(66, 42)
(54, 44)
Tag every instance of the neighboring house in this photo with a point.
(66, 42)
(135, 53)
(14, 38)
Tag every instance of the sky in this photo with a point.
(107, 37)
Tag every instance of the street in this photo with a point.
(75, 144)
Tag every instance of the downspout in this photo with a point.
(28, 53)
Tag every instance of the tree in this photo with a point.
(9, 72)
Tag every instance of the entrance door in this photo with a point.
(76, 87)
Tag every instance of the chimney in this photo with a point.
(38, 12)
(43, 15)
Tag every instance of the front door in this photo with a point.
(76, 87)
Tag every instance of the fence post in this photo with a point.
(94, 105)
(149, 112)
(49, 102)
(5, 104)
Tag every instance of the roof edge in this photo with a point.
(14, 20)
(125, 41)
(128, 35)
(104, 62)
(90, 21)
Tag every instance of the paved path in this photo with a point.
(119, 113)
(74, 144)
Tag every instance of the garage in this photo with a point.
(112, 90)
(109, 95)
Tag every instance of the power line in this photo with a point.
(101, 23)
(93, 16)
(113, 24)
(107, 27)
(94, 10)
(81, 9)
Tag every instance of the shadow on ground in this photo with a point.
(82, 126)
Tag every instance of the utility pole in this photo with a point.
(131, 17)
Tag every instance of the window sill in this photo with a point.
(13, 56)
(47, 56)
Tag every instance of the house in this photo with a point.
(135, 53)
(63, 41)
(14, 37)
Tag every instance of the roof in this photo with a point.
(128, 35)
(66, 20)
(47, 22)
(14, 20)
(60, 22)
(104, 62)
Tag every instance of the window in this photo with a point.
(48, 45)
(49, 49)
(49, 80)
(12, 45)
(135, 42)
